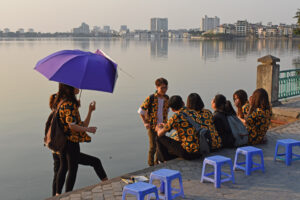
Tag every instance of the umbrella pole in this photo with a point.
(80, 94)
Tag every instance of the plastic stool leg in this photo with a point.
(276, 151)
(235, 159)
(288, 154)
(248, 164)
(140, 196)
(156, 195)
(262, 162)
(168, 190)
(203, 171)
(124, 195)
(232, 173)
(162, 187)
(217, 175)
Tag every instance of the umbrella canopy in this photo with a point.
(80, 69)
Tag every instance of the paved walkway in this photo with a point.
(278, 182)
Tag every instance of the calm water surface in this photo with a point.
(205, 67)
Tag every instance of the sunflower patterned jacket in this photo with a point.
(186, 131)
(206, 118)
(257, 124)
(152, 109)
(246, 108)
(68, 113)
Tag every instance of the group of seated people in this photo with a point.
(254, 114)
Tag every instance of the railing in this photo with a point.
(289, 83)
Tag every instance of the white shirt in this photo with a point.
(160, 117)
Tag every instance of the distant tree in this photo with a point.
(297, 16)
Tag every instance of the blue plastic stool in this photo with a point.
(288, 144)
(166, 176)
(217, 162)
(140, 190)
(249, 152)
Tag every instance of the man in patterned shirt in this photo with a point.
(188, 145)
(154, 111)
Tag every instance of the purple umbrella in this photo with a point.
(80, 69)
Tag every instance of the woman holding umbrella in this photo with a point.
(75, 130)
(83, 70)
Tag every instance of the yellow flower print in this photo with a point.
(184, 124)
(67, 112)
(190, 138)
(69, 120)
(190, 131)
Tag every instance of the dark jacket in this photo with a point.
(223, 128)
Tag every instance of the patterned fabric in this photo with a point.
(68, 113)
(206, 117)
(246, 108)
(152, 114)
(186, 132)
(257, 124)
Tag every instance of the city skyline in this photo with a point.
(44, 15)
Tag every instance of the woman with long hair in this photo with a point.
(194, 102)
(220, 121)
(240, 99)
(75, 131)
(259, 117)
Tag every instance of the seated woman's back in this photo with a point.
(258, 120)
(220, 121)
(205, 119)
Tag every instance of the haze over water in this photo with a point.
(121, 142)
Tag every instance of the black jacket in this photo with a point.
(223, 128)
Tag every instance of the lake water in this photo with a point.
(205, 67)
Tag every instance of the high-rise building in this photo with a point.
(6, 30)
(242, 27)
(106, 29)
(209, 23)
(83, 29)
(30, 30)
(123, 28)
(159, 24)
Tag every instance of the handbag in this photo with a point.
(55, 138)
(201, 133)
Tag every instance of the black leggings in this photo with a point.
(69, 162)
(168, 149)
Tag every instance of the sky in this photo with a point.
(63, 15)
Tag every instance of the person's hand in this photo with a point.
(92, 106)
(159, 126)
(147, 125)
(91, 129)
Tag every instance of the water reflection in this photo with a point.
(81, 43)
(159, 48)
(242, 48)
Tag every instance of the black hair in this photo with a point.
(65, 92)
(229, 109)
(195, 102)
(175, 102)
(161, 81)
(220, 101)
